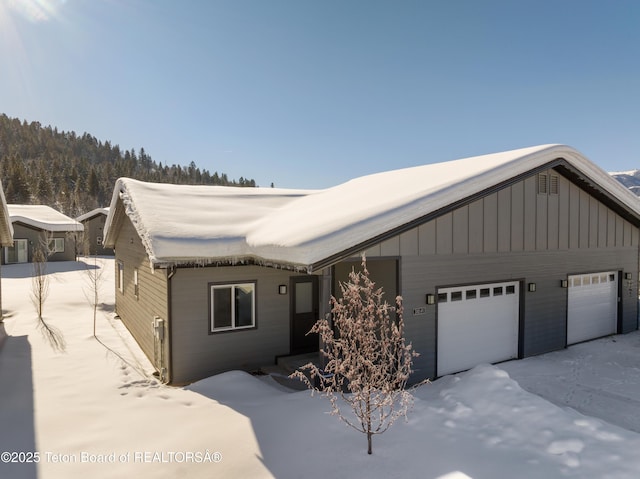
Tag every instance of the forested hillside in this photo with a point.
(75, 174)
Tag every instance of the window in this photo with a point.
(510, 289)
(497, 291)
(485, 292)
(120, 277)
(456, 296)
(232, 306)
(135, 283)
(471, 294)
(56, 245)
(442, 297)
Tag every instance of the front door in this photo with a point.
(304, 314)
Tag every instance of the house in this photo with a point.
(500, 256)
(37, 226)
(93, 223)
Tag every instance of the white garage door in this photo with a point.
(592, 306)
(477, 324)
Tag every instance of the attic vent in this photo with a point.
(542, 184)
(553, 185)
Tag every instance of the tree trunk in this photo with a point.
(369, 426)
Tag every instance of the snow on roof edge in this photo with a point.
(92, 213)
(43, 217)
(256, 248)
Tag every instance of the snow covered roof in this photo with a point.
(311, 229)
(186, 223)
(43, 217)
(93, 213)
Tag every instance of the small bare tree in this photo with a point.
(368, 362)
(39, 294)
(94, 278)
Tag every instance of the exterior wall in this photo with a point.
(198, 353)
(94, 229)
(515, 233)
(383, 271)
(36, 236)
(137, 312)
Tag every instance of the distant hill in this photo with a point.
(630, 179)
(75, 174)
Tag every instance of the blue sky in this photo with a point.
(310, 94)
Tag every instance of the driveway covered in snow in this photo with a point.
(599, 378)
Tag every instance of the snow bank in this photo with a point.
(98, 402)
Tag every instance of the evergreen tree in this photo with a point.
(40, 164)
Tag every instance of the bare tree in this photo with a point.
(39, 294)
(368, 363)
(95, 276)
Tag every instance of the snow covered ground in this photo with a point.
(96, 410)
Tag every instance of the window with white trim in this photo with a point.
(120, 276)
(232, 306)
(56, 245)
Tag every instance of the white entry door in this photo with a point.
(18, 253)
(592, 306)
(477, 324)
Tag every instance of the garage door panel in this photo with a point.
(477, 324)
(592, 306)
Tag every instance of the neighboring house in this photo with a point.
(93, 223)
(37, 226)
(496, 257)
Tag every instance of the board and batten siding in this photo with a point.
(197, 353)
(137, 313)
(515, 233)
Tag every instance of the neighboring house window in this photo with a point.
(135, 283)
(120, 266)
(232, 306)
(56, 245)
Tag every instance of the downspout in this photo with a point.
(171, 271)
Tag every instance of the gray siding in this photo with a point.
(515, 233)
(137, 313)
(545, 310)
(198, 354)
(518, 219)
(36, 236)
(93, 230)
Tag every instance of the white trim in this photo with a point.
(232, 288)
